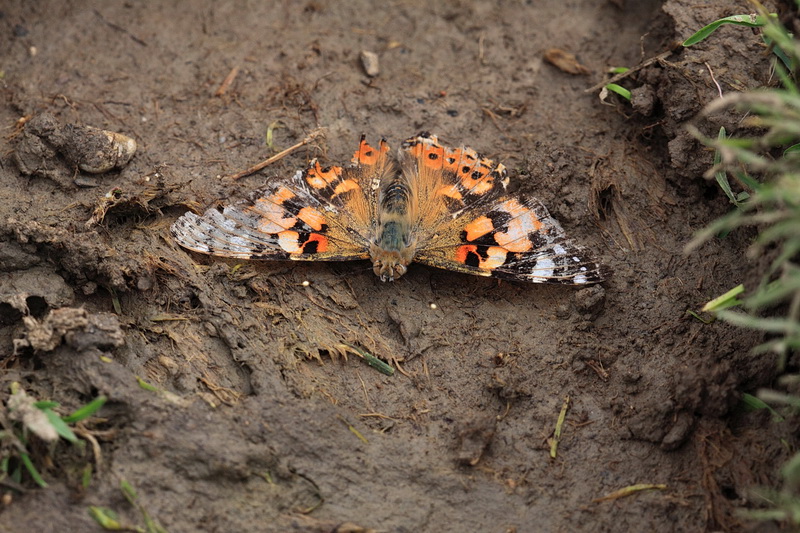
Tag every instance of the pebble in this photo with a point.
(369, 60)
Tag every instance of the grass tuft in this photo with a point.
(766, 167)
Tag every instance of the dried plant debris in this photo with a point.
(565, 61)
(22, 408)
(141, 197)
(78, 328)
(49, 149)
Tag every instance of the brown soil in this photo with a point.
(258, 427)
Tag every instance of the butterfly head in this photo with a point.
(390, 264)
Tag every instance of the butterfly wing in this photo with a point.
(469, 224)
(322, 213)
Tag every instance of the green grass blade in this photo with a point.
(725, 301)
(751, 21)
(754, 403)
(721, 176)
(105, 518)
(784, 326)
(86, 411)
(748, 181)
(128, 491)
(86, 476)
(145, 385)
(779, 53)
(620, 90)
(58, 424)
(45, 404)
(793, 149)
(785, 77)
(26, 461)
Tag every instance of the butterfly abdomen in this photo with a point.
(396, 197)
(393, 248)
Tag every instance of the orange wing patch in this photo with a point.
(271, 212)
(367, 155)
(478, 228)
(319, 177)
(312, 217)
(484, 258)
(522, 224)
(295, 242)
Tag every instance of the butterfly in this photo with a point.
(431, 204)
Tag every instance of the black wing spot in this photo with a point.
(500, 219)
(538, 239)
(310, 247)
(433, 156)
(483, 241)
(472, 259)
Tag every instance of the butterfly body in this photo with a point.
(439, 206)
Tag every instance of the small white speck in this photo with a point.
(579, 279)
(305, 283)
(576, 259)
(434, 306)
(559, 249)
(583, 269)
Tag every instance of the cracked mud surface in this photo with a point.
(261, 427)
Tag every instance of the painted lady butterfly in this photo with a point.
(435, 205)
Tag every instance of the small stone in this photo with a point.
(369, 60)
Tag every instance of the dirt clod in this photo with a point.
(76, 327)
(474, 438)
(90, 149)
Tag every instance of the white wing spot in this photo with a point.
(579, 279)
(559, 249)
(544, 267)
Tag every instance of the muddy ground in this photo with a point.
(256, 423)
